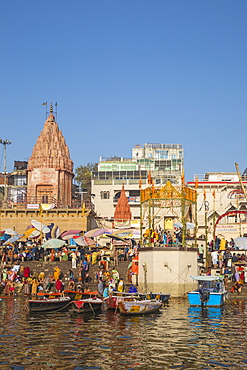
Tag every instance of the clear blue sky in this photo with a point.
(127, 72)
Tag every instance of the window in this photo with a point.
(105, 195)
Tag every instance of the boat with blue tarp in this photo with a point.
(210, 292)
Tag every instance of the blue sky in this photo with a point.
(127, 72)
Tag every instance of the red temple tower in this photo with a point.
(50, 169)
(122, 214)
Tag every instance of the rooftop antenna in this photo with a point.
(45, 103)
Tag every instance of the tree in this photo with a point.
(83, 176)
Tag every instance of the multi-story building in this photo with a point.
(221, 205)
(163, 161)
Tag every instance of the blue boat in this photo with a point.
(211, 291)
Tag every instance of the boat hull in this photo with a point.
(139, 307)
(215, 299)
(87, 305)
(48, 305)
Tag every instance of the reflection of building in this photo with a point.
(50, 169)
(163, 161)
(220, 193)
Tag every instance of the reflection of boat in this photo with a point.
(48, 304)
(89, 305)
(139, 307)
(211, 291)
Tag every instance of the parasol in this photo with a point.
(116, 237)
(123, 232)
(241, 242)
(53, 243)
(10, 232)
(179, 225)
(39, 226)
(97, 232)
(12, 239)
(83, 241)
(69, 233)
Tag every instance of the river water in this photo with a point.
(179, 337)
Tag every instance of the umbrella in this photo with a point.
(31, 233)
(53, 243)
(39, 226)
(179, 225)
(10, 232)
(116, 237)
(123, 232)
(12, 239)
(97, 232)
(241, 242)
(70, 233)
(68, 237)
(83, 241)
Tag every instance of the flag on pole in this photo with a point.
(150, 180)
(182, 177)
(44, 103)
(196, 183)
(140, 183)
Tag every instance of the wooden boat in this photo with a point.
(77, 295)
(113, 299)
(210, 292)
(88, 305)
(164, 298)
(48, 304)
(139, 307)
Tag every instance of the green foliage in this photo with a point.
(83, 175)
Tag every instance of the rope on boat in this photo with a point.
(91, 308)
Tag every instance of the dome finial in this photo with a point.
(51, 108)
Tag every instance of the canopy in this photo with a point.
(207, 278)
(53, 243)
(12, 239)
(97, 232)
(241, 243)
(10, 232)
(179, 225)
(70, 233)
(83, 241)
(39, 226)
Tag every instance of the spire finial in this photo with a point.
(51, 108)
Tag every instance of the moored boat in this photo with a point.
(88, 305)
(137, 307)
(210, 292)
(48, 304)
(113, 299)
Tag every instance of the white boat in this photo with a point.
(210, 292)
(138, 307)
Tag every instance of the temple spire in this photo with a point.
(51, 108)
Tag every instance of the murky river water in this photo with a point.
(178, 337)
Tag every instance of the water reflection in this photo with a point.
(178, 337)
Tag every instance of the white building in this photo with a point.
(220, 193)
(163, 161)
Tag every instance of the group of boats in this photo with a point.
(125, 303)
(210, 292)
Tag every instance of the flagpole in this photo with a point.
(183, 212)
(140, 186)
(196, 223)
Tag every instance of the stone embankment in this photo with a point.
(48, 268)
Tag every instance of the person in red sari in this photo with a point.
(59, 286)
